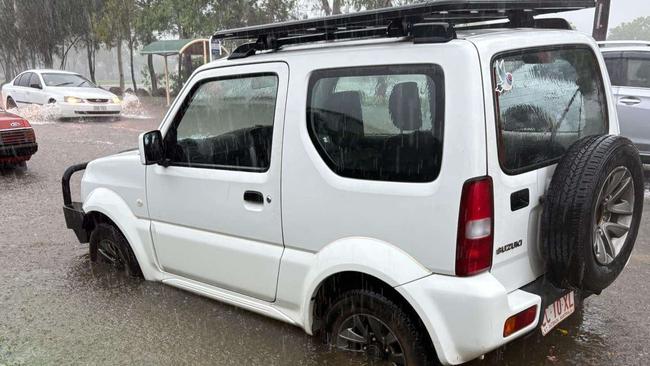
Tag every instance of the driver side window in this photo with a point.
(227, 123)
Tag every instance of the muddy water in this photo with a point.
(56, 308)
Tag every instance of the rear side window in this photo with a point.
(379, 123)
(546, 100)
(615, 68)
(17, 81)
(638, 73)
(23, 80)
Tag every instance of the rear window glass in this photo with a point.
(379, 123)
(638, 73)
(546, 100)
(614, 64)
(23, 80)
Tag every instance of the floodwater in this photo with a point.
(57, 308)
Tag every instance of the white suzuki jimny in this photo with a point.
(402, 181)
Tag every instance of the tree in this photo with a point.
(40, 28)
(131, 13)
(72, 28)
(8, 44)
(114, 28)
(89, 23)
(357, 5)
(146, 23)
(638, 29)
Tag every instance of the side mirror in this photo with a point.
(151, 148)
(36, 86)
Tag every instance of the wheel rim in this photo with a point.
(613, 215)
(367, 334)
(109, 250)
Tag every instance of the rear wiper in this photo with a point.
(557, 126)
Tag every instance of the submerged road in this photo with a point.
(57, 308)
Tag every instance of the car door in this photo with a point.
(541, 107)
(19, 94)
(633, 100)
(34, 92)
(215, 202)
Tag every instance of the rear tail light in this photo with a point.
(30, 136)
(475, 224)
(519, 321)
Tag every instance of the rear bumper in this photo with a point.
(75, 217)
(22, 151)
(465, 316)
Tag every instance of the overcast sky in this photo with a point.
(621, 11)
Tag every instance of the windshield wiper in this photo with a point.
(63, 84)
(557, 126)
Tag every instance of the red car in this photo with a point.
(17, 140)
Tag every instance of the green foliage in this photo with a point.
(115, 21)
(638, 30)
(34, 32)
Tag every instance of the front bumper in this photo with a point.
(72, 110)
(75, 218)
(19, 152)
(465, 316)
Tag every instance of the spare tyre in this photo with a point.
(592, 212)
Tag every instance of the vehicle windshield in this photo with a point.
(60, 79)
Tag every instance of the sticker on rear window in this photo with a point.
(505, 81)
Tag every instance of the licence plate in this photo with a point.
(558, 311)
(100, 108)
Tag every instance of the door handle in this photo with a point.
(630, 100)
(254, 197)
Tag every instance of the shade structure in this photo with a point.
(177, 47)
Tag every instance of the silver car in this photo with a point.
(628, 63)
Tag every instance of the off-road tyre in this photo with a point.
(409, 331)
(569, 223)
(124, 259)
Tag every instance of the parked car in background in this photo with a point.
(628, 63)
(17, 140)
(73, 94)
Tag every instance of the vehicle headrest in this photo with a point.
(405, 107)
(347, 103)
(346, 112)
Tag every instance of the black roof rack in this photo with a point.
(432, 21)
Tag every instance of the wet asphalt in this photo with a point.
(56, 308)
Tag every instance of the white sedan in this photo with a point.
(72, 94)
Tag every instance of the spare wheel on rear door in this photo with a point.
(592, 213)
